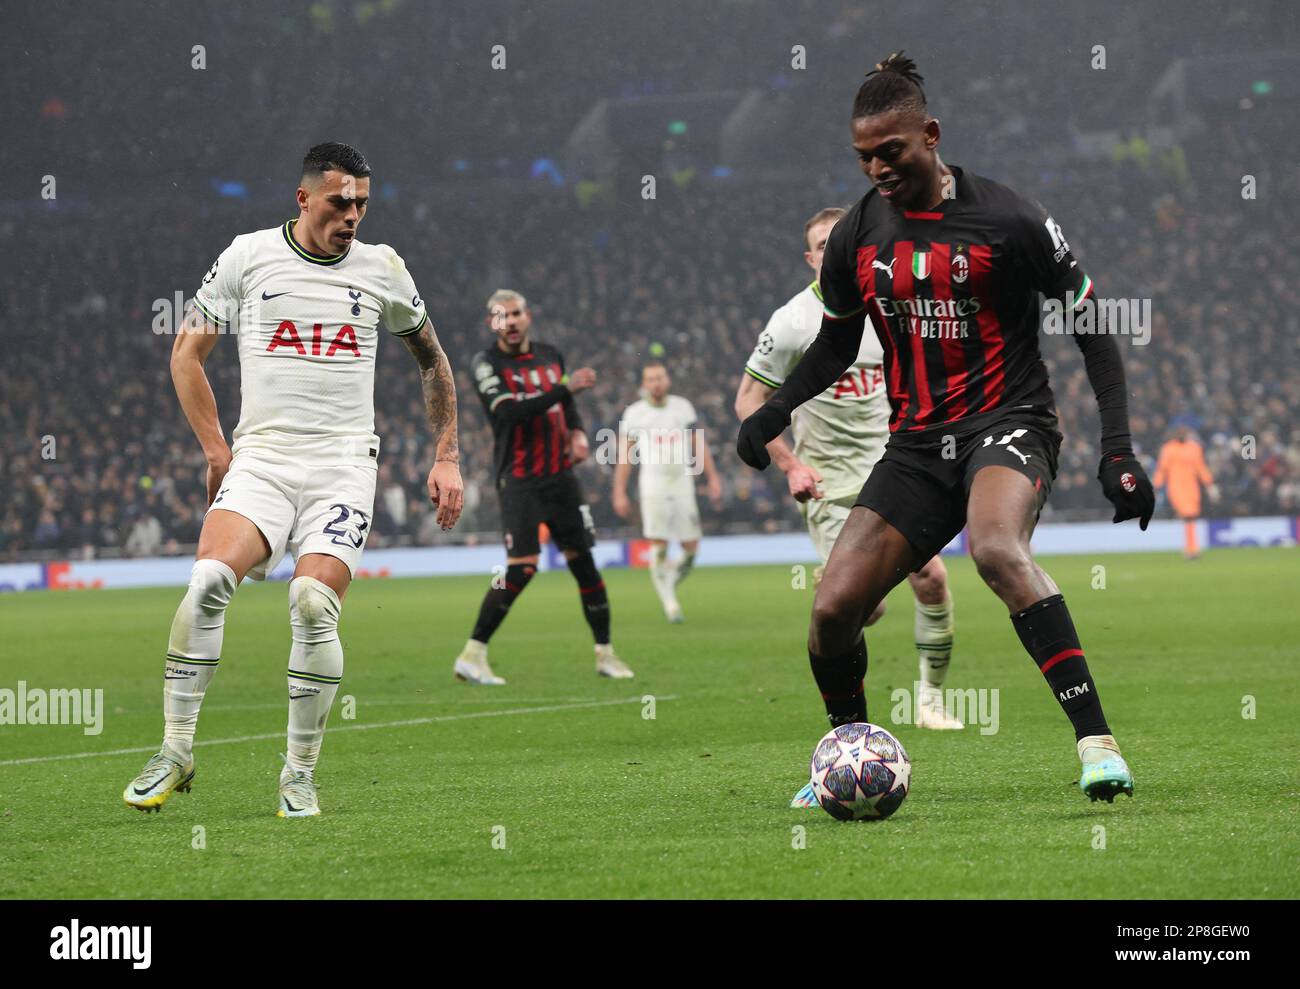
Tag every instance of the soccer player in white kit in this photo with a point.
(659, 433)
(839, 436)
(306, 299)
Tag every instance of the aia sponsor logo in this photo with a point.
(344, 340)
(859, 382)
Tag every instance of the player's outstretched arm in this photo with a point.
(1123, 479)
(190, 350)
(712, 479)
(504, 407)
(446, 489)
(802, 480)
(622, 471)
(750, 397)
(830, 355)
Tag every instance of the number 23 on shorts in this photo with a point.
(349, 527)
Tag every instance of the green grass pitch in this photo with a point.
(592, 799)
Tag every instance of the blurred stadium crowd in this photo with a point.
(96, 457)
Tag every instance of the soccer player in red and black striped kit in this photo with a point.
(948, 266)
(537, 437)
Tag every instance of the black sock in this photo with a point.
(840, 679)
(1049, 637)
(595, 602)
(497, 601)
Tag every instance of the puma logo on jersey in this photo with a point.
(887, 268)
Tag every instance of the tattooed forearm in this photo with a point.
(439, 391)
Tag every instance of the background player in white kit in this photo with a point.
(660, 433)
(839, 436)
(307, 298)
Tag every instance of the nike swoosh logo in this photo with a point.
(141, 793)
(268, 298)
(175, 678)
(289, 805)
(416, 302)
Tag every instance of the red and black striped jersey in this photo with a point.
(531, 410)
(953, 295)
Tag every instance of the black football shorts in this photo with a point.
(556, 501)
(922, 493)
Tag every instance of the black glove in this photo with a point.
(1127, 487)
(759, 430)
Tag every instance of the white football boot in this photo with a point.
(609, 665)
(471, 666)
(1105, 774)
(930, 713)
(297, 794)
(163, 775)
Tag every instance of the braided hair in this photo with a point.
(893, 85)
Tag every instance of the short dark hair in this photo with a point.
(335, 157)
(893, 85)
(826, 213)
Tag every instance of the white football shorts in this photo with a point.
(825, 518)
(301, 508)
(672, 518)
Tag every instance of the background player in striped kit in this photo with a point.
(839, 436)
(660, 433)
(305, 300)
(537, 436)
(949, 267)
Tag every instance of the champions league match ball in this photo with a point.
(860, 772)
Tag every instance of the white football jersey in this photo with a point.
(307, 327)
(662, 448)
(841, 433)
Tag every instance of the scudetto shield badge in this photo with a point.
(921, 265)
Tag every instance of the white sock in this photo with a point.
(661, 575)
(933, 629)
(193, 650)
(1095, 748)
(684, 566)
(315, 668)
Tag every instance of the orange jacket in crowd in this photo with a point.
(1181, 471)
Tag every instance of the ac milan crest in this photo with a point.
(960, 268)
